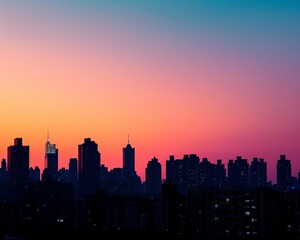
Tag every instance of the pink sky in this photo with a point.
(174, 91)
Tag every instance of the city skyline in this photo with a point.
(197, 200)
(52, 161)
(213, 78)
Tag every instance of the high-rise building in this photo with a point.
(206, 173)
(284, 170)
(18, 163)
(51, 159)
(220, 173)
(183, 172)
(131, 182)
(153, 177)
(258, 173)
(129, 158)
(3, 171)
(171, 173)
(73, 170)
(88, 166)
(3, 165)
(34, 174)
(238, 172)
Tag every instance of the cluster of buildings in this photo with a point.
(88, 174)
(197, 200)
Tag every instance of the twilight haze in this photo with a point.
(214, 78)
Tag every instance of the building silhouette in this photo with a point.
(153, 178)
(88, 166)
(3, 179)
(73, 170)
(183, 172)
(34, 174)
(3, 170)
(238, 171)
(258, 173)
(18, 163)
(284, 171)
(129, 158)
(51, 159)
(3, 165)
(206, 173)
(171, 173)
(220, 174)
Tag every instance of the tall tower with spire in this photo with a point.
(51, 158)
(129, 158)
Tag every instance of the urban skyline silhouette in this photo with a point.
(197, 200)
(216, 79)
(207, 90)
(52, 151)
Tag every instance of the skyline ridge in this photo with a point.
(50, 146)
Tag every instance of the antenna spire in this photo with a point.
(128, 138)
(48, 136)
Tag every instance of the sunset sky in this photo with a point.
(214, 78)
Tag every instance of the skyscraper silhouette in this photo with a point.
(206, 173)
(89, 166)
(258, 173)
(129, 159)
(171, 173)
(153, 177)
(73, 170)
(238, 172)
(284, 170)
(3, 165)
(220, 173)
(51, 159)
(18, 164)
(183, 172)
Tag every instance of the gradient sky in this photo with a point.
(214, 78)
